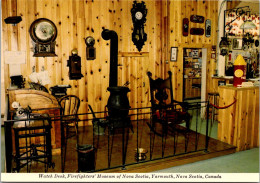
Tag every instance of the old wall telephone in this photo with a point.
(90, 50)
(74, 64)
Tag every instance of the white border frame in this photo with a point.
(174, 54)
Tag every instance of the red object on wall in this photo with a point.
(196, 31)
(185, 27)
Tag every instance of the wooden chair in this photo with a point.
(167, 113)
(69, 105)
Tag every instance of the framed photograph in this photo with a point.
(174, 54)
(213, 55)
(237, 44)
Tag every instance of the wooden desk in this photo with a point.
(40, 102)
(239, 124)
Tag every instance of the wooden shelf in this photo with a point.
(133, 54)
(193, 57)
(191, 68)
(193, 78)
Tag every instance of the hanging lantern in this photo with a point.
(248, 25)
(223, 45)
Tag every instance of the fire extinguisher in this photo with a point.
(239, 71)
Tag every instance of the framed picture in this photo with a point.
(237, 44)
(213, 55)
(174, 53)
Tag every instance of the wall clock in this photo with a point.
(139, 13)
(43, 32)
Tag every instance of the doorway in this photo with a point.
(194, 77)
(192, 73)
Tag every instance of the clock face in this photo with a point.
(44, 31)
(138, 15)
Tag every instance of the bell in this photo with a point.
(74, 52)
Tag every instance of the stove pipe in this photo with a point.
(118, 103)
(112, 35)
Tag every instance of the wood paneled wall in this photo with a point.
(184, 9)
(77, 19)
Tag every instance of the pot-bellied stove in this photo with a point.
(118, 107)
(118, 103)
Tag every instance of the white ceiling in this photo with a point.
(253, 5)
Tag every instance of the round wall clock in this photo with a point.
(139, 13)
(43, 32)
